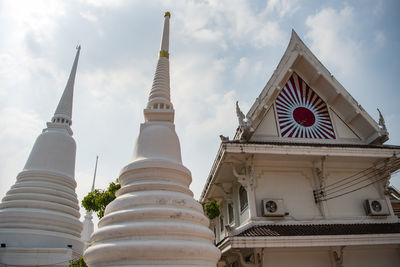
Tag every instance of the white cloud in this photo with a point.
(282, 7)
(107, 85)
(378, 9)
(232, 21)
(34, 18)
(269, 34)
(333, 40)
(89, 16)
(380, 38)
(104, 3)
(10, 67)
(242, 68)
(208, 35)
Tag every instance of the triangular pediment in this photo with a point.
(302, 101)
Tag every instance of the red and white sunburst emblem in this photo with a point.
(301, 112)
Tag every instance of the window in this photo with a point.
(221, 223)
(230, 213)
(243, 199)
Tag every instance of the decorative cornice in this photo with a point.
(314, 241)
(279, 149)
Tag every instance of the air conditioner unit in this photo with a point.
(273, 207)
(376, 207)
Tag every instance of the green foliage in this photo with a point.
(211, 209)
(77, 263)
(98, 200)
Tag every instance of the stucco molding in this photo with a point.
(313, 241)
(278, 149)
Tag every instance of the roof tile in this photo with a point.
(321, 229)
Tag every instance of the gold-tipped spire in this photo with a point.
(165, 37)
(159, 107)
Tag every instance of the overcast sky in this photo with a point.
(220, 52)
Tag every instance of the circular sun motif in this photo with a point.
(301, 112)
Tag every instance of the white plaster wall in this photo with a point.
(342, 130)
(293, 187)
(350, 205)
(301, 257)
(354, 256)
(266, 128)
(371, 256)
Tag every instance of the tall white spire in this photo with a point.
(154, 221)
(159, 106)
(95, 172)
(39, 216)
(165, 37)
(63, 112)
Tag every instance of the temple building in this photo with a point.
(155, 221)
(304, 182)
(39, 215)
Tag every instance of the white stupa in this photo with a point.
(154, 221)
(39, 216)
(88, 226)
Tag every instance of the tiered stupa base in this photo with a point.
(37, 256)
(154, 221)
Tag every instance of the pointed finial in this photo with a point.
(240, 115)
(63, 114)
(381, 121)
(165, 37)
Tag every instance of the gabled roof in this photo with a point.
(348, 113)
